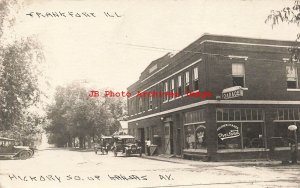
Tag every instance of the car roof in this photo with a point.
(123, 136)
(106, 137)
(6, 139)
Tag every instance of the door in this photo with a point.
(142, 136)
(178, 141)
(168, 146)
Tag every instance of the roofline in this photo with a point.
(214, 38)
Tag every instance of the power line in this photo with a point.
(190, 51)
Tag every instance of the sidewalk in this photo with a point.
(261, 163)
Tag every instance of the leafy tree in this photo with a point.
(291, 15)
(75, 115)
(19, 76)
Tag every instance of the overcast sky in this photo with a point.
(99, 49)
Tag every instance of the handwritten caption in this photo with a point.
(60, 14)
(108, 177)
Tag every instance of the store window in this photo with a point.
(238, 74)
(288, 114)
(240, 135)
(292, 77)
(195, 79)
(187, 82)
(240, 114)
(285, 117)
(282, 136)
(240, 128)
(195, 136)
(194, 130)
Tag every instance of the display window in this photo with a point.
(194, 130)
(240, 135)
(195, 136)
(283, 137)
(240, 128)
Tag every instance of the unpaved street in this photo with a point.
(54, 167)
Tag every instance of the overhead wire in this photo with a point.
(191, 51)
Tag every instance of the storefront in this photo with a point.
(283, 138)
(241, 132)
(195, 134)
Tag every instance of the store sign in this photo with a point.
(227, 131)
(232, 92)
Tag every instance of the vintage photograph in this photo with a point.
(149, 93)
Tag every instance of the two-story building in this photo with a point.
(256, 96)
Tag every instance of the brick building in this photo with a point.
(256, 96)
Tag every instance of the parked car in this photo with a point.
(9, 150)
(127, 145)
(104, 146)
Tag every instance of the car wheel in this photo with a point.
(24, 155)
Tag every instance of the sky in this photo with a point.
(105, 50)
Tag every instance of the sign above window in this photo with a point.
(232, 92)
(153, 68)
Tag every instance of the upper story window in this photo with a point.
(150, 104)
(140, 105)
(166, 90)
(292, 77)
(195, 79)
(238, 74)
(131, 107)
(172, 89)
(179, 85)
(187, 82)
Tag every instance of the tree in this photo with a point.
(19, 76)
(291, 15)
(75, 115)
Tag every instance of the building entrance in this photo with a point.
(168, 149)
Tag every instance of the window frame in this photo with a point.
(296, 76)
(195, 78)
(172, 88)
(238, 75)
(186, 82)
(179, 85)
(165, 89)
(150, 103)
(140, 105)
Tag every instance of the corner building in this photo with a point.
(256, 96)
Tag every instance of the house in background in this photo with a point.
(255, 96)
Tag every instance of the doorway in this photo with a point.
(168, 146)
(142, 136)
(178, 141)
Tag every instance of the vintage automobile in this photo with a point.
(104, 146)
(127, 145)
(8, 150)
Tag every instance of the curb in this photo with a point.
(229, 163)
(163, 159)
